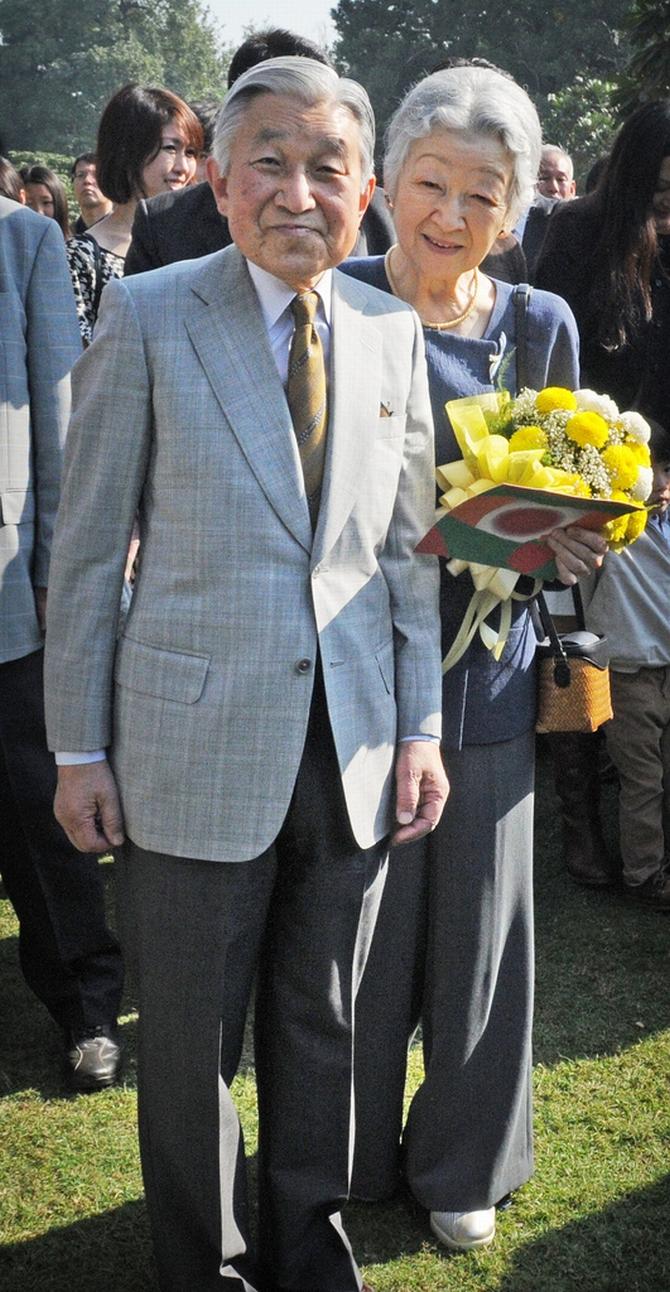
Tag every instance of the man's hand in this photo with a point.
(577, 552)
(421, 789)
(88, 808)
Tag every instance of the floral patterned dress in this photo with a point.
(91, 267)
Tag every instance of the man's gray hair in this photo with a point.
(475, 99)
(303, 79)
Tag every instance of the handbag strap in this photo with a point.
(97, 264)
(522, 295)
(561, 662)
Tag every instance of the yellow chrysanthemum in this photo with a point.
(553, 397)
(623, 464)
(637, 521)
(528, 437)
(587, 428)
(640, 452)
(615, 530)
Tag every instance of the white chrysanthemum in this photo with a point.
(643, 485)
(635, 426)
(589, 402)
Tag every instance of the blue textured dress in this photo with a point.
(454, 940)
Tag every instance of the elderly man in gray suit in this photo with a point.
(273, 703)
(69, 957)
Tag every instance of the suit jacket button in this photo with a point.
(303, 666)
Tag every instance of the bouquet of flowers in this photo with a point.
(530, 464)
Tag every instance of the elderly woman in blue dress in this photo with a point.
(455, 940)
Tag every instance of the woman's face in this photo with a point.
(39, 199)
(451, 201)
(173, 166)
(661, 200)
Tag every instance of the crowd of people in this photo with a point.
(261, 734)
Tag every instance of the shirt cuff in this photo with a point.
(435, 740)
(69, 759)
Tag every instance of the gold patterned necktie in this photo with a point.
(306, 394)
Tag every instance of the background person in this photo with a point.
(189, 225)
(556, 176)
(461, 160)
(92, 203)
(629, 606)
(148, 143)
(68, 956)
(283, 485)
(46, 194)
(608, 255)
(11, 184)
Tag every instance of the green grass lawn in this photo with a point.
(595, 1218)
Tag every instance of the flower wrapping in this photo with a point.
(530, 465)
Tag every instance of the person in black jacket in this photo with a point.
(608, 255)
(187, 225)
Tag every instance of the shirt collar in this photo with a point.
(275, 296)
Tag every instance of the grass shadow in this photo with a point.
(625, 1243)
(89, 1253)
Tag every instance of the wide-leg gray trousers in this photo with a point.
(454, 944)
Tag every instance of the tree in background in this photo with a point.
(60, 62)
(554, 48)
(647, 74)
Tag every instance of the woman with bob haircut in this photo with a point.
(454, 940)
(148, 143)
(46, 194)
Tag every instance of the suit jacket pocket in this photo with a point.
(166, 674)
(17, 506)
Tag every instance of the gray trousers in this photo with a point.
(454, 944)
(638, 742)
(300, 919)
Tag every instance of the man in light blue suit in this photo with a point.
(68, 956)
(273, 705)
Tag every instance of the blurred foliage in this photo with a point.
(647, 73)
(60, 63)
(566, 55)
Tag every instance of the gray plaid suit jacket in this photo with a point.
(39, 342)
(179, 410)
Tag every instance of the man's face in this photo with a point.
(555, 176)
(85, 186)
(292, 195)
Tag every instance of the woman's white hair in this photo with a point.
(479, 100)
(303, 79)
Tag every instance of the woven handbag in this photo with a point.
(573, 675)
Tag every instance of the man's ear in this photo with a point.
(219, 185)
(366, 196)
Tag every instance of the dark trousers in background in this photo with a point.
(300, 918)
(68, 956)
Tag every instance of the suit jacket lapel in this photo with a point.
(233, 349)
(354, 396)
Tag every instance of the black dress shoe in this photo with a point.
(655, 891)
(92, 1059)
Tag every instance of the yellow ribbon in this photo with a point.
(487, 462)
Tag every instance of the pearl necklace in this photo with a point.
(436, 327)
